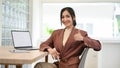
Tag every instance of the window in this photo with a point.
(101, 20)
(15, 16)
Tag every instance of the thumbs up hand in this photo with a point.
(78, 36)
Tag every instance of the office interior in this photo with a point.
(100, 18)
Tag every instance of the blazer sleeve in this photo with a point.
(48, 43)
(92, 43)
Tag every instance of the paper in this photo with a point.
(19, 51)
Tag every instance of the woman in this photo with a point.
(67, 44)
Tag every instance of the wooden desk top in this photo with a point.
(7, 57)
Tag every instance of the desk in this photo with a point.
(8, 58)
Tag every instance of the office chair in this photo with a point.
(83, 58)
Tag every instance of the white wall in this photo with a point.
(36, 22)
(110, 56)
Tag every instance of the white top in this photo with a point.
(66, 35)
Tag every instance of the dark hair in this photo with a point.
(72, 13)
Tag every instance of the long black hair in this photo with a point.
(72, 13)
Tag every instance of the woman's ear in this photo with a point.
(74, 18)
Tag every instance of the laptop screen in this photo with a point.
(21, 39)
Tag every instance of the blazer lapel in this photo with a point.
(61, 40)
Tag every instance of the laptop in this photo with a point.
(22, 40)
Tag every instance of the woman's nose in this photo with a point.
(64, 19)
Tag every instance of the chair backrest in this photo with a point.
(83, 58)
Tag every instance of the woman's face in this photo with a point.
(67, 19)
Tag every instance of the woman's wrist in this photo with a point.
(48, 49)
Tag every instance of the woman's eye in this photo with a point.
(67, 16)
(62, 16)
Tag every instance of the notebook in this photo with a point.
(22, 40)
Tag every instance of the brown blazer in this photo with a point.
(69, 54)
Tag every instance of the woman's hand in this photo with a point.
(54, 53)
(78, 36)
